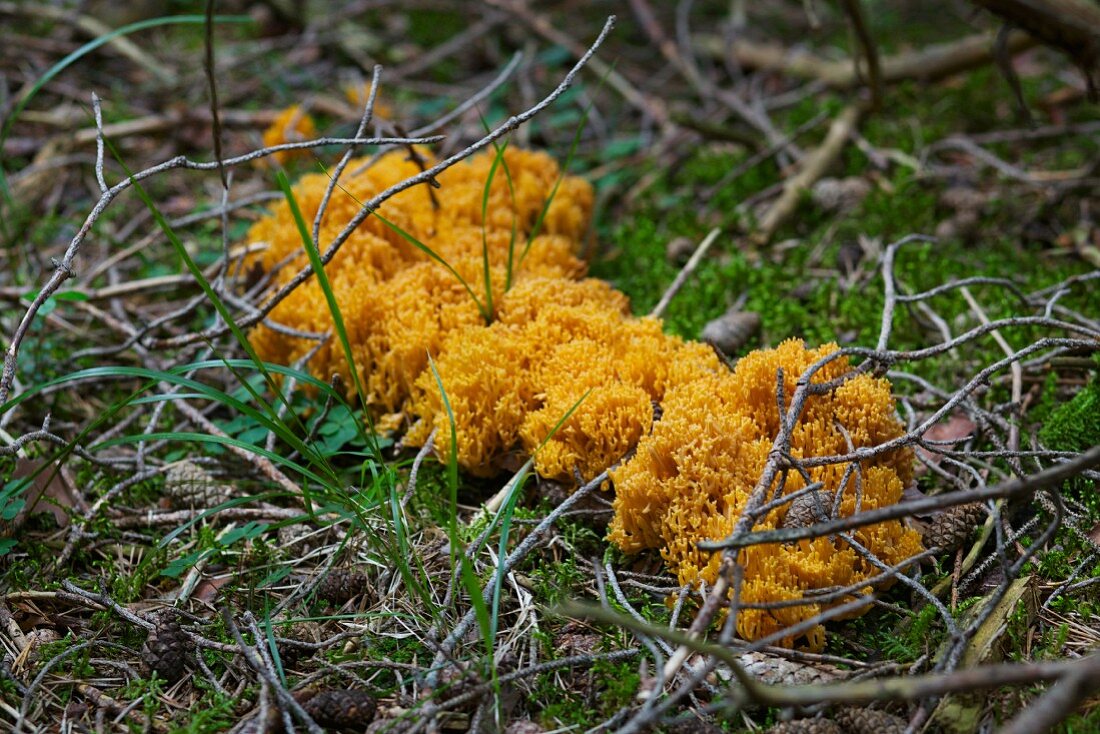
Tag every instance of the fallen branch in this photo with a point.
(929, 64)
(1070, 25)
(814, 166)
(685, 273)
(1012, 488)
(175, 518)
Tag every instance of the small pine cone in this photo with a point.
(190, 486)
(340, 586)
(166, 649)
(953, 526)
(807, 726)
(289, 653)
(692, 725)
(809, 509)
(341, 709)
(679, 249)
(857, 720)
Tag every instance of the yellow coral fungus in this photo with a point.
(555, 341)
(292, 125)
(358, 94)
(693, 475)
(400, 305)
(565, 373)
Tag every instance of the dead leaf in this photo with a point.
(1094, 534)
(50, 491)
(207, 589)
(956, 428)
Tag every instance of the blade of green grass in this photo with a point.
(452, 453)
(218, 304)
(404, 553)
(96, 373)
(333, 306)
(272, 646)
(473, 590)
(262, 418)
(564, 169)
(274, 457)
(504, 517)
(485, 223)
(498, 159)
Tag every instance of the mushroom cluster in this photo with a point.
(564, 372)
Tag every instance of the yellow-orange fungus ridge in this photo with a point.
(564, 372)
(292, 125)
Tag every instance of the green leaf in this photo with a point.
(71, 296)
(179, 566)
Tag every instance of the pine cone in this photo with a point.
(341, 709)
(807, 726)
(340, 586)
(291, 654)
(189, 486)
(953, 526)
(857, 720)
(809, 509)
(166, 649)
(691, 725)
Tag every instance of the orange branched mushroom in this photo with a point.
(400, 305)
(292, 125)
(566, 374)
(555, 342)
(358, 94)
(692, 476)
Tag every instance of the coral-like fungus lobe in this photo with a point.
(693, 475)
(292, 125)
(559, 346)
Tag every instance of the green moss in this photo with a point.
(593, 696)
(556, 581)
(797, 293)
(217, 711)
(1075, 425)
(1084, 723)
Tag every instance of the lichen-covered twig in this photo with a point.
(685, 273)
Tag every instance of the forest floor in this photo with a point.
(187, 545)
